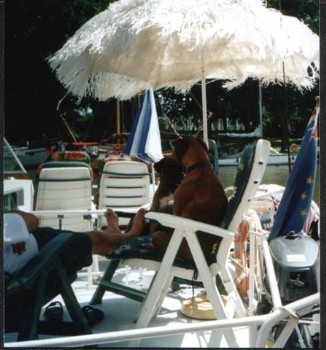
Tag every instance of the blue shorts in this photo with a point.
(79, 253)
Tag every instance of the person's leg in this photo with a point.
(107, 240)
(44, 234)
(79, 253)
(95, 242)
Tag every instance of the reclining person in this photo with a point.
(23, 238)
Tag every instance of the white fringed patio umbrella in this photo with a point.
(136, 45)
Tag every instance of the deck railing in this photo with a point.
(260, 326)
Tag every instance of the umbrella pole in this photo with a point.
(118, 116)
(260, 107)
(204, 104)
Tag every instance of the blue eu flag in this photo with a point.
(296, 200)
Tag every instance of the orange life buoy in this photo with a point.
(240, 254)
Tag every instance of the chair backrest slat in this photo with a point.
(124, 184)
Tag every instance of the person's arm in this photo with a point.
(32, 221)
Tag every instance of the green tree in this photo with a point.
(286, 108)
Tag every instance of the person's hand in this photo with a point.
(19, 248)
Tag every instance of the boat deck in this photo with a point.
(120, 313)
(170, 328)
(166, 330)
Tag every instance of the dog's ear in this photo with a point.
(180, 148)
(202, 143)
(158, 165)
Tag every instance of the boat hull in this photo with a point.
(31, 157)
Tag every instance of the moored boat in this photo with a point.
(275, 158)
(17, 185)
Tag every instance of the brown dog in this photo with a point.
(200, 196)
(171, 175)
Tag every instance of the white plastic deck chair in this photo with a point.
(66, 186)
(250, 172)
(124, 187)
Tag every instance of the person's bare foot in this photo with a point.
(112, 220)
(138, 223)
(105, 241)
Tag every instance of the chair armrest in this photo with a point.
(184, 224)
(41, 262)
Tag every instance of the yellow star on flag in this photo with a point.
(303, 196)
(303, 213)
(310, 180)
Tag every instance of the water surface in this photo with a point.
(276, 174)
